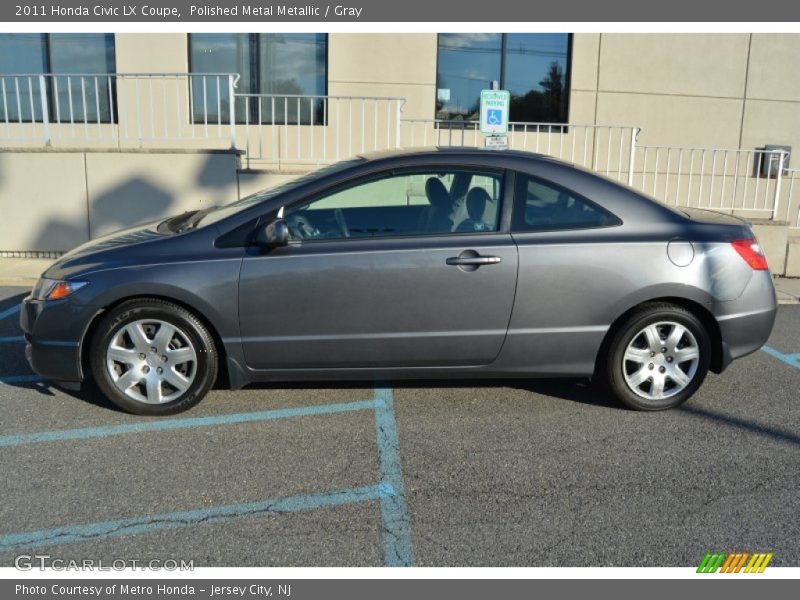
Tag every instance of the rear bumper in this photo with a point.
(746, 323)
(744, 334)
(56, 356)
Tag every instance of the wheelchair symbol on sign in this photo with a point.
(494, 117)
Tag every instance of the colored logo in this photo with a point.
(494, 116)
(735, 563)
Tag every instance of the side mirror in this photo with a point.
(273, 234)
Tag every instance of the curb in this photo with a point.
(786, 298)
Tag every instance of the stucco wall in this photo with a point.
(53, 201)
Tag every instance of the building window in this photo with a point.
(70, 61)
(534, 67)
(273, 66)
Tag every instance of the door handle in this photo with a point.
(473, 261)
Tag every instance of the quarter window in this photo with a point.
(544, 206)
(420, 203)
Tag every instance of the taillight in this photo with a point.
(750, 250)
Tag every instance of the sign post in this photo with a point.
(494, 117)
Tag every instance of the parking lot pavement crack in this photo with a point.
(137, 525)
(746, 492)
(395, 545)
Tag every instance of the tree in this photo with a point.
(553, 91)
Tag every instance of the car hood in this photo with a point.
(112, 247)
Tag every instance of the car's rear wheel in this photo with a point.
(152, 357)
(657, 358)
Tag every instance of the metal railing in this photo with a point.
(137, 109)
(607, 149)
(745, 181)
(293, 129)
(130, 107)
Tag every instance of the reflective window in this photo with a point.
(532, 66)
(415, 203)
(543, 206)
(83, 54)
(73, 92)
(281, 65)
(21, 96)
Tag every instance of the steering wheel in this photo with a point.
(339, 215)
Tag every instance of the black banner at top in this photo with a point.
(371, 11)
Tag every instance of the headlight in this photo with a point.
(53, 289)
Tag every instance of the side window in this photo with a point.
(413, 203)
(543, 206)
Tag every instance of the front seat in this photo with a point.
(476, 206)
(435, 217)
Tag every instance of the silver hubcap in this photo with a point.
(151, 361)
(661, 360)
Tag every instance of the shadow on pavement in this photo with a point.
(88, 393)
(576, 390)
(11, 302)
(780, 435)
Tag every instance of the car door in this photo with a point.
(392, 271)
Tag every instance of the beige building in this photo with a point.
(101, 131)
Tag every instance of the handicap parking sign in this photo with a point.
(494, 112)
(494, 116)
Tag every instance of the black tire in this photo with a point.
(189, 326)
(612, 366)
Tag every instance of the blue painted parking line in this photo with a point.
(397, 545)
(792, 360)
(9, 311)
(60, 435)
(397, 548)
(180, 519)
(20, 378)
(14, 339)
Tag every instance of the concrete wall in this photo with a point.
(726, 90)
(53, 201)
(43, 201)
(385, 64)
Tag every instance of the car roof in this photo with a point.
(464, 151)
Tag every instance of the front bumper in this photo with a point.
(53, 333)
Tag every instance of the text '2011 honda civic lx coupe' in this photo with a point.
(434, 263)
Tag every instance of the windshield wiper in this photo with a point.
(191, 220)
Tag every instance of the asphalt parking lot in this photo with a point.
(547, 473)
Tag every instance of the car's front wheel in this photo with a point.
(153, 357)
(657, 358)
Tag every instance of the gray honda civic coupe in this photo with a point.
(442, 263)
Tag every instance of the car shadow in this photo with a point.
(12, 301)
(741, 424)
(88, 392)
(581, 391)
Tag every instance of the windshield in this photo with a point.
(217, 214)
